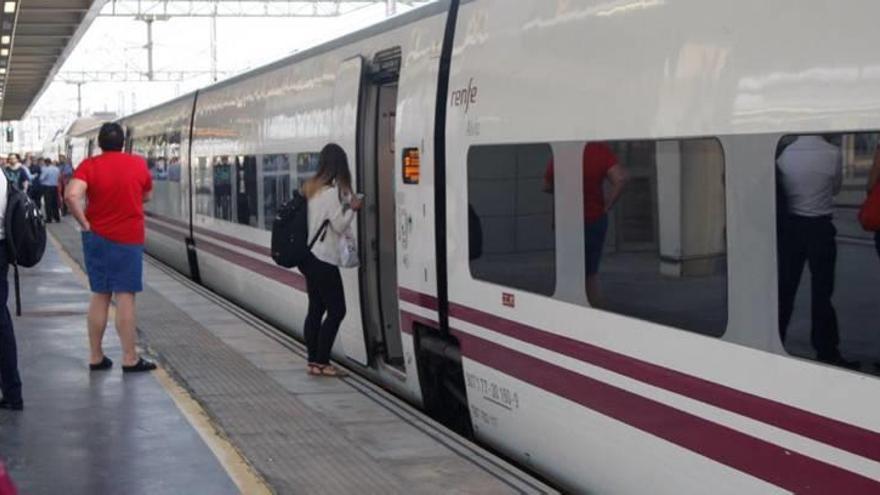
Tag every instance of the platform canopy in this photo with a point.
(36, 37)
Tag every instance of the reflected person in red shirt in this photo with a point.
(600, 165)
(116, 186)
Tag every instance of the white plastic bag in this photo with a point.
(348, 250)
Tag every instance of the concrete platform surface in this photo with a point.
(92, 433)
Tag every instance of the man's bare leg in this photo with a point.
(126, 327)
(99, 306)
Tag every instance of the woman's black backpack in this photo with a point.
(25, 233)
(290, 229)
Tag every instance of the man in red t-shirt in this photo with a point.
(116, 186)
(599, 164)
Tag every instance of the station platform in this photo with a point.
(231, 409)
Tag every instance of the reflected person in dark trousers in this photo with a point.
(810, 173)
(873, 181)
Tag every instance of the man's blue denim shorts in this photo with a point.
(113, 267)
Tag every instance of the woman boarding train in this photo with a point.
(331, 206)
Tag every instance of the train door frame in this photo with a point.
(346, 132)
(381, 310)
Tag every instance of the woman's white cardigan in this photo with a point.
(325, 205)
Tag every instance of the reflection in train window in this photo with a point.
(276, 185)
(655, 240)
(512, 242)
(223, 188)
(173, 140)
(828, 266)
(203, 186)
(246, 190)
(155, 156)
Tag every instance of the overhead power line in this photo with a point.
(159, 9)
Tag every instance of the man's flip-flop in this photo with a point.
(139, 367)
(105, 364)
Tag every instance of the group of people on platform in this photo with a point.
(115, 185)
(44, 180)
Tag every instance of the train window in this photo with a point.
(276, 185)
(223, 188)
(246, 190)
(155, 156)
(654, 242)
(306, 166)
(203, 184)
(510, 219)
(139, 146)
(828, 265)
(173, 140)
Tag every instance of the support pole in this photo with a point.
(149, 47)
(214, 43)
(79, 99)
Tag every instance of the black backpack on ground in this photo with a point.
(25, 233)
(290, 230)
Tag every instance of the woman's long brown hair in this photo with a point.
(332, 169)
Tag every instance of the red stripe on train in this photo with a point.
(827, 430)
(756, 457)
(263, 250)
(419, 299)
(268, 270)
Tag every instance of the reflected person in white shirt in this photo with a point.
(810, 175)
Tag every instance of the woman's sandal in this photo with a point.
(314, 369)
(332, 371)
(141, 366)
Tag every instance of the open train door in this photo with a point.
(346, 109)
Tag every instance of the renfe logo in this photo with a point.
(465, 96)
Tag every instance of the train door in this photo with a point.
(346, 113)
(379, 282)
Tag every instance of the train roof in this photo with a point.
(83, 125)
(429, 10)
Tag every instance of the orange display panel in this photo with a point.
(411, 166)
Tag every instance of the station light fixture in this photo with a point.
(8, 7)
(4, 52)
(5, 39)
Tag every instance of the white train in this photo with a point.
(471, 298)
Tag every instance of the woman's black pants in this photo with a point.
(326, 297)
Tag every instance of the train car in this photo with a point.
(78, 141)
(641, 354)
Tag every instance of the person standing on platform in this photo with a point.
(811, 174)
(49, 176)
(116, 186)
(17, 173)
(332, 207)
(35, 190)
(66, 174)
(10, 381)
